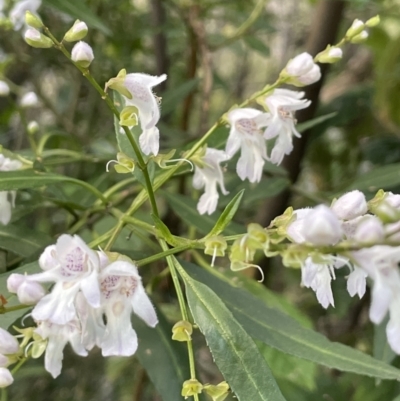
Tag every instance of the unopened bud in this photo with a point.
(30, 99)
(374, 21)
(82, 54)
(350, 205)
(301, 70)
(4, 89)
(30, 292)
(218, 392)
(14, 281)
(182, 331)
(77, 32)
(5, 377)
(386, 206)
(33, 20)
(370, 229)
(329, 55)
(33, 127)
(360, 38)
(323, 227)
(191, 387)
(8, 343)
(4, 362)
(296, 229)
(48, 259)
(356, 28)
(36, 39)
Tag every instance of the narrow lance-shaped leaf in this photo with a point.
(227, 215)
(280, 331)
(234, 351)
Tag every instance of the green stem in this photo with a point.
(161, 255)
(4, 310)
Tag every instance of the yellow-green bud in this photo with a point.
(182, 331)
(356, 28)
(77, 32)
(218, 392)
(129, 116)
(360, 38)
(82, 54)
(330, 55)
(33, 20)
(32, 127)
(374, 21)
(36, 39)
(191, 387)
(258, 235)
(215, 246)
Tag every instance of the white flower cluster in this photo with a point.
(90, 304)
(348, 219)
(8, 348)
(17, 12)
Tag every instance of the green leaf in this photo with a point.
(385, 177)
(233, 350)
(257, 45)
(164, 360)
(280, 331)
(173, 97)
(163, 229)
(315, 121)
(21, 240)
(7, 319)
(227, 215)
(78, 9)
(185, 208)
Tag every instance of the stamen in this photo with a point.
(111, 161)
(214, 256)
(183, 160)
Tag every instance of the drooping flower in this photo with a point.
(246, 134)
(136, 89)
(282, 104)
(7, 198)
(208, 175)
(122, 291)
(73, 267)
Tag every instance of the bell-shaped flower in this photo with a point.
(282, 104)
(122, 291)
(246, 134)
(57, 338)
(208, 175)
(350, 205)
(302, 70)
(6, 378)
(74, 268)
(323, 227)
(137, 91)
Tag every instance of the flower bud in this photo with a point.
(218, 392)
(8, 343)
(370, 229)
(14, 281)
(33, 127)
(258, 235)
(30, 292)
(33, 20)
(82, 54)
(5, 377)
(374, 21)
(182, 331)
(295, 230)
(350, 205)
(77, 32)
(330, 55)
(48, 258)
(360, 38)
(356, 28)
(4, 89)
(36, 39)
(3, 361)
(302, 70)
(323, 227)
(30, 99)
(191, 387)
(386, 206)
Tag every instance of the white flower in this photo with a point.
(28, 292)
(82, 54)
(137, 91)
(4, 89)
(282, 104)
(370, 229)
(303, 70)
(295, 231)
(8, 343)
(122, 292)
(350, 205)
(58, 336)
(30, 99)
(246, 134)
(73, 266)
(17, 13)
(5, 377)
(356, 282)
(209, 176)
(322, 227)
